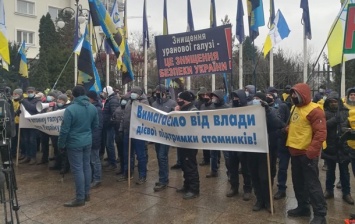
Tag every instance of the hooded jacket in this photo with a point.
(251, 89)
(335, 118)
(240, 93)
(349, 104)
(164, 104)
(110, 106)
(221, 104)
(316, 120)
(79, 120)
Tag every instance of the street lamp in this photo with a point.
(81, 16)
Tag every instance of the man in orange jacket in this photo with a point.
(306, 132)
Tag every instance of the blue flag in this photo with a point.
(255, 17)
(127, 70)
(240, 35)
(145, 26)
(306, 19)
(190, 20)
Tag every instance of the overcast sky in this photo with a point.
(322, 12)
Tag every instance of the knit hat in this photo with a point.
(92, 95)
(63, 97)
(260, 95)
(52, 93)
(69, 93)
(161, 88)
(18, 92)
(78, 91)
(137, 89)
(186, 95)
(108, 90)
(288, 87)
(30, 88)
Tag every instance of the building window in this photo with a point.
(26, 36)
(25, 7)
(54, 12)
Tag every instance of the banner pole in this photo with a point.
(129, 162)
(18, 145)
(270, 186)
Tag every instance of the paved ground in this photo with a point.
(42, 193)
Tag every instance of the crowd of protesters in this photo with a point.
(302, 131)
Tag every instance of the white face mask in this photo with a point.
(256, 102)
(275, 94)
(134, 96)
(247, 93)
(123, 102)
(321, 90)
(214, 100)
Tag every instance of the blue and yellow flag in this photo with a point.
(101, 17)
(255, 17)
(165, 20)
(145, 26)
(213, 22)
(4, 45)
(127, 70)
(23, 70)
(88, 75)
(190, 20)
(240, 35)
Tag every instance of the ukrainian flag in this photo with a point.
(23, 70)
(255, 17)
(277, 33)
(4, 45)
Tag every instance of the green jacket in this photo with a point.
(79, 119)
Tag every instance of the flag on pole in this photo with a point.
(117, 19)
(336, 39)
(190, 20)
(79, 45)
(165, 20)
(279, 31)
(213, 22)
(127, 70)
(23, 70)
(272, 13)
(255, 17)
(349, 38)
(4, 45)
(145, 26)
(240, 35)
(88, 75)
(306, 19)
(101, 17)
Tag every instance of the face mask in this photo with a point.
(158, 95)
(15, 97)
(180, 103)
(269, 100)
(275, 94)
(235, 103)
(205, 100)
(49, 99)
(134, 96)
(214, 100)
(256, 102)
(60, 104)
(321, 90)
(247, 93)
(123, 102)
(295, 100)
(31, 95)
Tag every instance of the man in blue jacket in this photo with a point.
(76, 137)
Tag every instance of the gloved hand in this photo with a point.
(52, 104)
(18, 112)
(265, 105)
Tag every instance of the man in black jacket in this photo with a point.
(191, 187)
(30, 134)
(110, 106)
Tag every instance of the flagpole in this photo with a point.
(213, 82)
(272, 67)
(75, 69)
(305, 60)
(107, 69)
(240, 66)
(145, 66)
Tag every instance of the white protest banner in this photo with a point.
(233, 129)
(48, 123)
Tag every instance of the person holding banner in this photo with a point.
(218, 103)
(17, 96)
(75, 136)
(167, 105)
(239, 99)
(306, 133)
(258, 161)
(191, 187)
(138, 146)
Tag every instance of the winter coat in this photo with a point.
(30, 105)
(110, 106)
(96, 132)
(126, 121)
(79, 120)
(221, 104)
(251, 89)
(164, 104)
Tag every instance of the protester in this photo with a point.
(319, 96)
(239, 99)
(334, 153)
(76, 137)
(250, 91)
(110, 106)
(17, 96)
(191, 187)
(167, 105)
(137, 145)
(96, 141)
(306, 132)
(30, 134)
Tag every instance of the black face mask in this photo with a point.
(180, 103)
(205, 100)
(287, 91)
(295, 100)
(269, 100)
(235, 103)
(123, 106)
